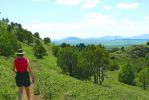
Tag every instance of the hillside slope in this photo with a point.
(52, 84)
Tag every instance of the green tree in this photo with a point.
(55, 50)
(7, 20)
(20, 35)
(113, 65)
(81, 46)
(3, 20)
(114, 50)
(39, 50)
(9, 28)
(67, 60)
(95, 59)
(47, 40)
(84, 67)
(12, 25)
(19, 26)
(147, 43)
(24, 35)
(63, 45)
(127, 74)
(28, 37)
(8, 44)
(123, 49)
(36, 34)
(143, 78)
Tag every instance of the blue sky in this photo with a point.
(79, 18)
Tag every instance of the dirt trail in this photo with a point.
(33, 97)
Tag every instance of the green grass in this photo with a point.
(51, 84)
(7, 81)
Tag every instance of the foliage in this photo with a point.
(147, 43)
(81, 46)
(94, 61)
(9, 28)
(55, 86)
(55, 50)
(6, 20)
(139, 51)
(24, 36)
(39, 50)
(51, 84)
(139, 63)
(63, 45)
(67, 59)
(84, 70)
(127, 74)
(143, 78)
(8, 44)
(47, 40)
(36, 34)
(123, 49)
(114, 50)
(8, 90)
(113, 66)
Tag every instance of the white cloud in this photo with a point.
(106, 7)
(98, 20)
(92, 25)
(82, 3)
(89, 3)
(68, 2)
(146, 17)
(128, 5)
(53, 30)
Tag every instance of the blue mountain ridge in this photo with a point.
(112, 41)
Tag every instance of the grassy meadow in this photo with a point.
(51, 84)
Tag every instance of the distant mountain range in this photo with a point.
(109, 41)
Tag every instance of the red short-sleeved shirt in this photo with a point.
(21, 64)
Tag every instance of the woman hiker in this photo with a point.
(22, 69)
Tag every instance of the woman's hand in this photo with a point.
(33, 79)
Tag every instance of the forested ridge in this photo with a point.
(74, 72)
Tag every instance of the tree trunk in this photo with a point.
(95, 77)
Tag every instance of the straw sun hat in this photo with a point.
(20, 52)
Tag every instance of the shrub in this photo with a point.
(8, 44)
(143, 78)
(127, 74)
(47, 40)
(67, 60)
(113, 66)
(55, 50)
(39, 50)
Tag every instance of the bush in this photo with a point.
(143, 78)
(114, 50)
(113, 66)
(8, 44)
(55, 50)
(147, 43)
(67, 60)
(127, 74)
(47, 40)
(39, 50)
(63, 45)
(93, 61)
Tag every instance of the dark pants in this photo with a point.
(22, 79)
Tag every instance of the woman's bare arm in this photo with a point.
(30, 71)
